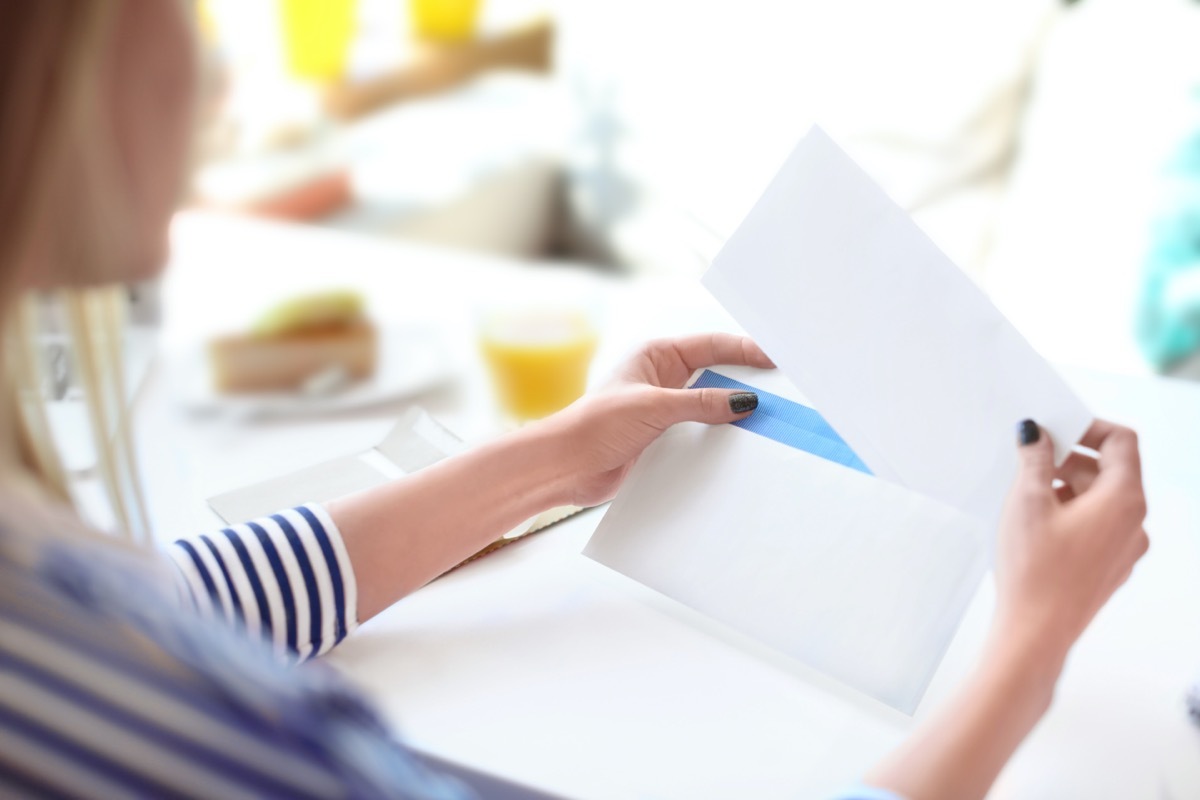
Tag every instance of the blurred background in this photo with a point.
(1051, 148)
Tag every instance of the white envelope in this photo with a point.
(414, 442)
(858, 578)
(864, 577)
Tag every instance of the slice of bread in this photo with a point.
(255, 363)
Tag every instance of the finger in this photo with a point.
(1141, 544)
(1120, 462)
(670, 362)
(1096, 433)
(1137, 547)
(708, 349)
(1078, 472)
(1063, 491)
(1036, 454)
(703, 405)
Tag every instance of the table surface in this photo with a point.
(537, 665)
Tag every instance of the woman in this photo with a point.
(124, 673)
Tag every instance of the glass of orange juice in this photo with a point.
(444, 20)
(538, 356)
(317, 35)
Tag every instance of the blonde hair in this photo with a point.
(50, 55)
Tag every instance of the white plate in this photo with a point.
(411, 361)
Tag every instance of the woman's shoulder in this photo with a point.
(29, 517)
(61, 580)
(47, 543)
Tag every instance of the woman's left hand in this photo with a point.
(402, 534)
(599, 437)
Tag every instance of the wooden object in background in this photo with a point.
(438, 67)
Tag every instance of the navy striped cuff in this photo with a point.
(286, 577)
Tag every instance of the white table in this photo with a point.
(536, 665)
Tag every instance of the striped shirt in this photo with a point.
(110, 686)
(122, 676)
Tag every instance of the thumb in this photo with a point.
(1036, 454)
(705, 405)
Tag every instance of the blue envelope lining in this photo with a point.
(788, 423)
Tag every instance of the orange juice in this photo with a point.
(538, 360)
(317, 35)
(444, 20)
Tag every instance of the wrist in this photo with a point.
(545, 462)
(1026, 655)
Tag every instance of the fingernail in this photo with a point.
(741, 402)
(1027, 432)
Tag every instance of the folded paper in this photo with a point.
(848, 521)
(905, 357)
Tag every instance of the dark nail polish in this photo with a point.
(1028, 432)
(741, 402)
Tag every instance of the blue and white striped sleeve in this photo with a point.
(286, 577)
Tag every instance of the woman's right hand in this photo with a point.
(1064, 551)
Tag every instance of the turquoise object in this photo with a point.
(1168, 318)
